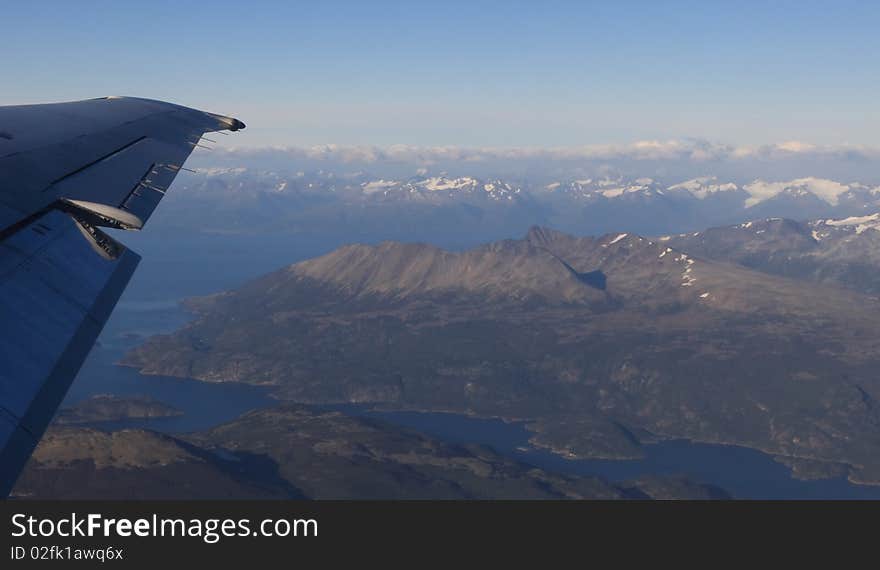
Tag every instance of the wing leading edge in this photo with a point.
(67, 170)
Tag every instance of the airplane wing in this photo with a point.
(67, 170)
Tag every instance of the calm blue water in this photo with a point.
(172, 270)
(742, 472)
(204, 405)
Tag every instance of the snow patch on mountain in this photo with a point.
(861, 223)
(827, 190)
(617, 239)
(613, 193)
(704, 187)
(442, 183)
(378, 186)
(687, 280)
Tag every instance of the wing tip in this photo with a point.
(231, 123)
(237, 125)
(227, 123)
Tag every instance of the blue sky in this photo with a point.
(467, 73)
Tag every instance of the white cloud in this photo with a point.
(647, 150)
(796, 146)
(827, 190)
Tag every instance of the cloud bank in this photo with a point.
(658, 158)
(694, 149)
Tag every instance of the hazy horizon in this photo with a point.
(669, 161)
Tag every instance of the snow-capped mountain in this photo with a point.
(751, 194)
(704, 187)
(856, 224)
(842, 251)
(474, 209)
(608, 188)
(443, 187)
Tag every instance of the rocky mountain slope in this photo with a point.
(582, 336)
(84, 463)
(843, 252)
(109, 408)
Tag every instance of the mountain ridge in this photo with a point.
(674, 344)
(443, 209)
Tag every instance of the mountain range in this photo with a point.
(763, 334)
(463, 211)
